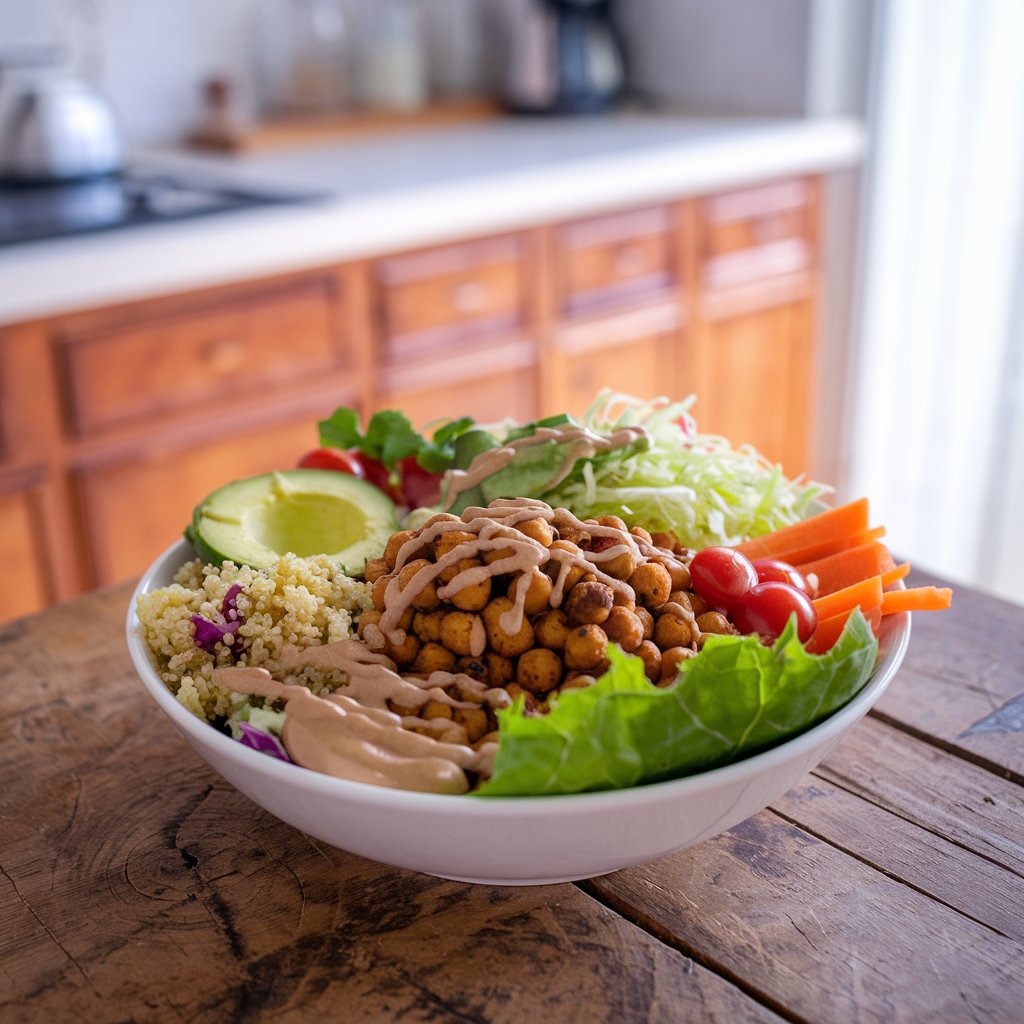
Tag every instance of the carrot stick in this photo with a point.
(916, 599)
(897, 572)
(865, 594)
(849, 566)
(833, 524)
(831, 546)
(827, 632)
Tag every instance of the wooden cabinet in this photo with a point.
(115, 422)
(752, 339)
(27, 582)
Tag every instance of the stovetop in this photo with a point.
(31, 212)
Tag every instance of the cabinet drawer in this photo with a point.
(178, 362)
(755, 233)
(440, 297)
(619, 258)
(27, 586)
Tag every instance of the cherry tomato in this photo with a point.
(332, 458)
(419, 486)
(780, 572)
(721, 576)
(376, 473)
(765, 609)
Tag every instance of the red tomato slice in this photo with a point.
(332, 458)
(376, 473)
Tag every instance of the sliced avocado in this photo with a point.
(471, 444)
(561, 419)
(302, 511)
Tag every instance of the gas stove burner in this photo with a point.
(33, 212)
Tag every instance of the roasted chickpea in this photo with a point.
(577, 681)
(472, 598)
(622, 599)
(585, 646)
(436, 709)
(551, 628)
(452, 569)
(714, 622)
(589, 602)
(497, 554)
(474, 721)
(368, 618)
(672, 630)
(687, 599)
(402, 654)
(379, 586)
(426, 596)
(394, 545)
(665, 539)
(427, 625)
(652, 584)
(488, 737)
(404, 710)
(449, 540)
(670, 661)
(613, 521)
(539, 670)
(441, 517)
(624, 628)
(621, 566)
(538, 530)
(679, 573)
(646, 620)
(651, 657)
(538, 591)
(500, 670)
(433, 657)
(458, 631)
(641, 534)
(562, 552)
(475, 668)
(374, 569)
(501, 642)
(573, 534)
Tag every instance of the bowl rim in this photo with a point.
(894, 641)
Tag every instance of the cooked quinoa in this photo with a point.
(299, 602)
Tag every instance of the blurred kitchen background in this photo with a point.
(221, 218)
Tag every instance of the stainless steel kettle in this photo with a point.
(54, 127)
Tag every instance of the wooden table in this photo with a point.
(136, 885)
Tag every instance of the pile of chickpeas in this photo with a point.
(554, 648)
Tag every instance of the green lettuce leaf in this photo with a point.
(735, 698)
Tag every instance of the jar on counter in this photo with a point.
(392, 66)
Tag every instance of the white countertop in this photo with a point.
(394, 193)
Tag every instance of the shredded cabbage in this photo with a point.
(696, 485)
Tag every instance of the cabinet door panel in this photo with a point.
(752, 375)
(26, 588)
(137, 506)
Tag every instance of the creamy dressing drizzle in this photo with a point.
(353, 735)
(340, 736)
(583, 444)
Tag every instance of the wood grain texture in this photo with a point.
(963, 686)
(136, 885)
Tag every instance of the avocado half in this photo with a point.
(304, 512)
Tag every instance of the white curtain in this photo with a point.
(934, 398)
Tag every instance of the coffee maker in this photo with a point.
(562, 57)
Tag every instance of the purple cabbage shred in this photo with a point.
(208, 634)
(262, 741)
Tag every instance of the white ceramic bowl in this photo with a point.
(510, 840)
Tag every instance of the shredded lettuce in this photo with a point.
(696, 485)
(735, 698)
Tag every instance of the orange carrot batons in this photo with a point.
(832, 525)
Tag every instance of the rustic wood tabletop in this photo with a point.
(136, 885)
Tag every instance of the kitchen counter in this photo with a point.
(420, 187)
(135, 884)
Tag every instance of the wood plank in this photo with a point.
(908, 852)
(963, 680)
(136, 885)
(932, 788)
(819, 933)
